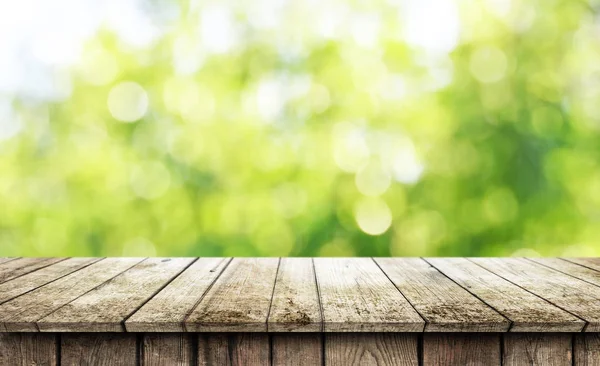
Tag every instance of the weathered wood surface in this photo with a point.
(98, 349)
(252, 349)
(374, 349)
(538, 349)
(22, 266)
(291, 349)
(458, 349)
(168, 349)
(24, 349)
(586, 349)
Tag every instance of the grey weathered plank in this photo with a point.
(295, 304)
(7, 259)
(33, 280)
(167, 310)
(239, 300)
(586, 349)
(168, 349)
(297, 349)
(234, 349)
(593, 263)
(21, 266)
(98, 349)
(22, 313)
(26, 349)
(373, 349)
(571, 294)
(445, 306)
(356, 296)
(461, 349)
(550, 349)
(572, 269)
(529, 313)
(105, 308)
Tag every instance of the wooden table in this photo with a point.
(299, 311)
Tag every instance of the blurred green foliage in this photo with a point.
(294, 128)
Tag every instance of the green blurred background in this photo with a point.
(300, 128)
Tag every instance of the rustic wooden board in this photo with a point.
(168, 349)
(104, 309)
(167, 311)
(572, 269)
(26, 349)
(461, 349)
(571, 294)
(586, 349)
(593, 263)
(98, 349)
(295, 305)
(21, 313)
(445, 306)
(239, 300)
(297, 349)
(22, 266)
(529, 313)
(234, 349)
(7, 259)
(371, 349)
(20, 285)
(550, 349)
(357, 297)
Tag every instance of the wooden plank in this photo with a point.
(571, 294)
(461, 349)
(297, 349)
(98, 349)
(550, 349)
(445, 306)
(571, 269)
(21, 313)
(105, 308)
(168, 349)
(21, 266)
(356, 296)
(528, 312)
(586, 349)
(167, 311)
(18, 286)
(593, 263)
(234, 349)
(295, 305)
(27, 349)
(239, 300)
(7, 259)
(372, 349)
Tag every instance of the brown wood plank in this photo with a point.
(22, 313)
(26, 349)
(571, 269)
(18, 286)
(550, 349)
(22, 266)
(529, 313)
(593, 263)
(371, 349)
(239, 300)
(461, 349)
(571, 294)
(168, 349)
(586, 349)
(105, 308)
(98, 349)
(167, 311)
(7, 259)
(445, 306)
(356, 296)
(295, 305)
(234, 349)
(297, 349)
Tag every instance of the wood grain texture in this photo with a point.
(22, 313)
(7, 259)
(26, 349)
(586, 349)
(295, 305)
(593, 263)
(373, 349)
(102, 349)
(21, 266)
(105, 308)
(529, 313)
(571, 294)
(167, 311)
(571, 269)
(461, 349)
(549, 349)
(18, 286)
(297, 349)
(168, 349)
(445, 306)
(357, 297)
(234, 349)
(239, 300)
